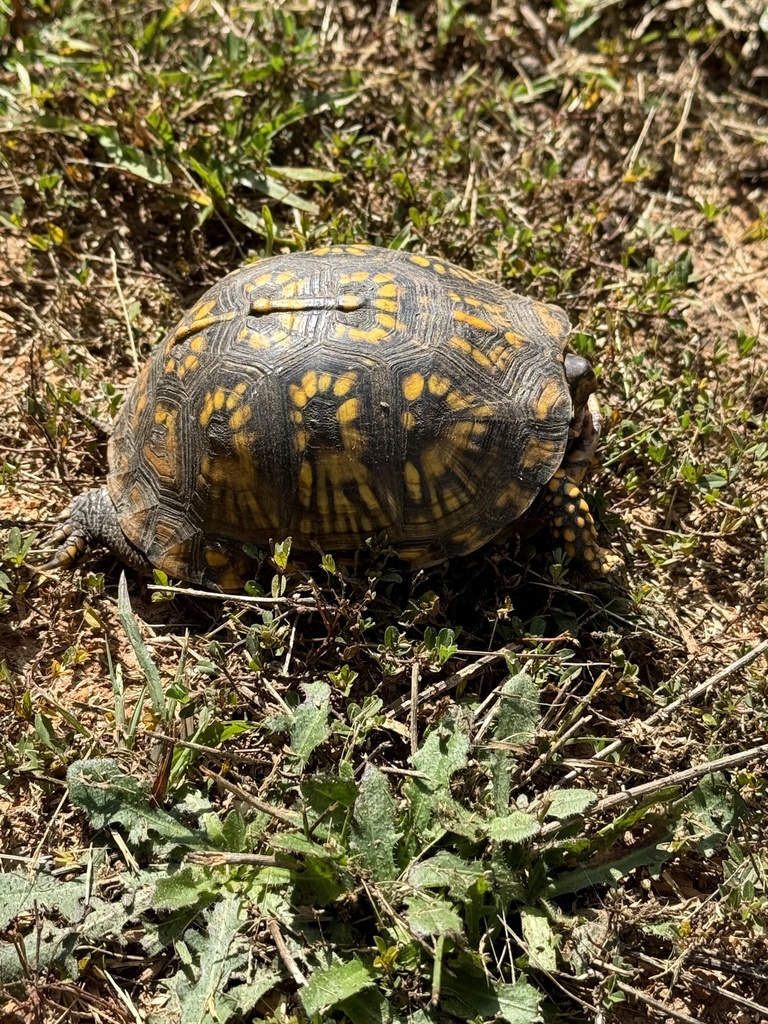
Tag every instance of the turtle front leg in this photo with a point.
(567, 515)
(92, 522)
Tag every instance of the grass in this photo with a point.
(495, 790)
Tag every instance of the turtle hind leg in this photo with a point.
(567, 515)
(92, 522)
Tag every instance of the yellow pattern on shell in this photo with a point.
(474, 321)
(298, 395)
(551, 394)
(412, 481)
(413, 385)
(372, 336)
(344, 383)
(306, 478)
(357, 277)
(216, 559)
(513, 496)
(452, 402)
(553, 324)
(162, 452)
(438, 385)
(348, 411)
(240, 418)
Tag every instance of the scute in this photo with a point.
(333, 395)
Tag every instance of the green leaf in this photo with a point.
(208, 175)
(109, 797)
(190, 886)
(46, 946)
(309, 725)
(20, 893)
(442, 754)
(328, 987)
(567, 803)
(652, 857)
(269, 187)
(252, 221)
(540, 938)
(519, 714)
(312, 103)
(373, 825)
(305, 173)
(203, 992)
(469, 994)
(370, 1007)
(321, 882)
(282, 553)
(709, 814)
(147, 665)
(513, 828)
(234, 833)
(321, 791)
(446, 870)
(149, 166)
(432, 917)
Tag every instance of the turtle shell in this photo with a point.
(331, 395)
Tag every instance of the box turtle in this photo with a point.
(333, 394)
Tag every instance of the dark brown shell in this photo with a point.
(334, 394)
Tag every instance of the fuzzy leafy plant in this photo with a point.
(441, 895)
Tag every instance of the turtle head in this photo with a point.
(582, 383)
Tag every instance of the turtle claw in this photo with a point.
(71, 548)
